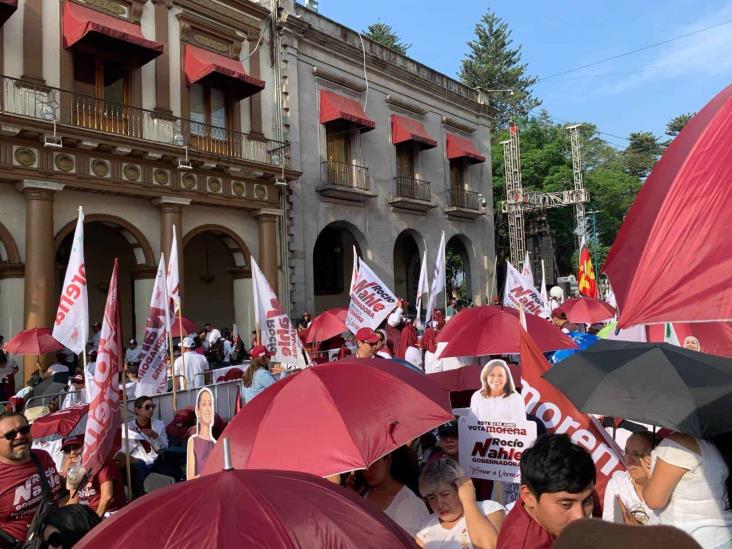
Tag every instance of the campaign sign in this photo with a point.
(371, 300)
(492, 449)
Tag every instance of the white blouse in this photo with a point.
(510, 408)
(435, 536)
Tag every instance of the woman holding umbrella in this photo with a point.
(498, 398)
(458, 521)
(201, 443)
(687, 481)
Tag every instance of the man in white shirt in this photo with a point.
(190, 364)
(96, 335)
(147, 437)
(76, 393)
(132, 354)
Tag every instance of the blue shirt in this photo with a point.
(260, 381)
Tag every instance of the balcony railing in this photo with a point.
(411, 187)
(82, 111)
(468, 200)
(344, 174)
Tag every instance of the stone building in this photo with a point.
(391, 153)
(149, 114)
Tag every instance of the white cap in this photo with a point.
(213, 336)
(188, 343)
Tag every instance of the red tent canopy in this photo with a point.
(671, 259)
(461, 147)
(404, 129)
(227, 73)
(334, 107)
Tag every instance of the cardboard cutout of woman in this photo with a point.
(498, 399)
(202, 441)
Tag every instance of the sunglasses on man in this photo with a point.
(10, 435)
(148, 407)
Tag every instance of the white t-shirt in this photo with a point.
(413, 355)
(138, 450)
(621, 485)
(696, 504)
(511, 408)
(133, 355)
(384, 354)
(195, 364)
(433, 535)
(407, 510)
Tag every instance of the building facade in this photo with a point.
(150, 115)
(391, 153)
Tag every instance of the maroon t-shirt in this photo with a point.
(21, 492)
(520, 531)
(91, 494)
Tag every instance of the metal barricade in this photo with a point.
(224, 397)
(45, 399)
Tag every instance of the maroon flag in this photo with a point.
(104, 410)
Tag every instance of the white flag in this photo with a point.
(276, 330)
(526, 271)
(423, 286)
(521, 292)
(371, 300)
(173, 277)
(153, 373)
(547, 313)
(71, 326)
(438, 278)
(354, 270)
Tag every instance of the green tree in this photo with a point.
(385, 35)
(493, 64)
(455, 273)
(676, 124)
(642, 153)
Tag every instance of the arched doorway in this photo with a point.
(107, 237)
(457, 259)
(214, 257)
(333, 265)
(407, 262)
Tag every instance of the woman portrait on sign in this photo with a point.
(202, 442)
(498, 399)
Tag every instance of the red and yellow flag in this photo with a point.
(586, 282)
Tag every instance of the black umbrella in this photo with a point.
(653, 383)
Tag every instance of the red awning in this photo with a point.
(336, 107)
(221, 71)
(462, 147)
(405, 129)
(99, 30)
(7, 8)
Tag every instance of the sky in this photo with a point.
(637, 92)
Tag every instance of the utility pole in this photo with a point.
(514, 192)
(579, 207)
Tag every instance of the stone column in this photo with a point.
(40, 299)
(171, 214)
(267, 225)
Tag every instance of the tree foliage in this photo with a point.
(457, 279)
(385, 35)
(676, 124)
(642, 153)
(493, 64)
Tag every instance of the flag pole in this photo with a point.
(172, 366)
(182, 354)
(125, 420)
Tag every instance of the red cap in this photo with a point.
(559, 313)
(367, 335)
(74, 440)
(259, 350)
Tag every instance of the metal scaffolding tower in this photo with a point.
(519, 201)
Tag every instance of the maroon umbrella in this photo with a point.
(263, 509)
(587, 310)
(670, 261)
(189, 327)
(71, 421)
(36, 341)
(491, 330)
(465, 378)
(333, 418)
(326, 325)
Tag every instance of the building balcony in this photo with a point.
(464, 204)
(344, 181)
(30, 107)
(412, 194)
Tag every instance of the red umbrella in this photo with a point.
(333, 418)
(465, 378)
(264, 509)
(587, 310)
(326, 325)
(670, 261)
(71, 421)
(491, 330)
(36, 341)
(189, 327)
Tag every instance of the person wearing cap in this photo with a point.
(76, 392)
(190, 365)
(366, 343)
(447, 443)
(104, 493)
(257, 376)
(559, 319)
(133, 352)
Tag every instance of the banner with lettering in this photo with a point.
(103, 419)
(371, 300)
(520, 291)
(71, 326)
(276, 331)
(153, 373)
